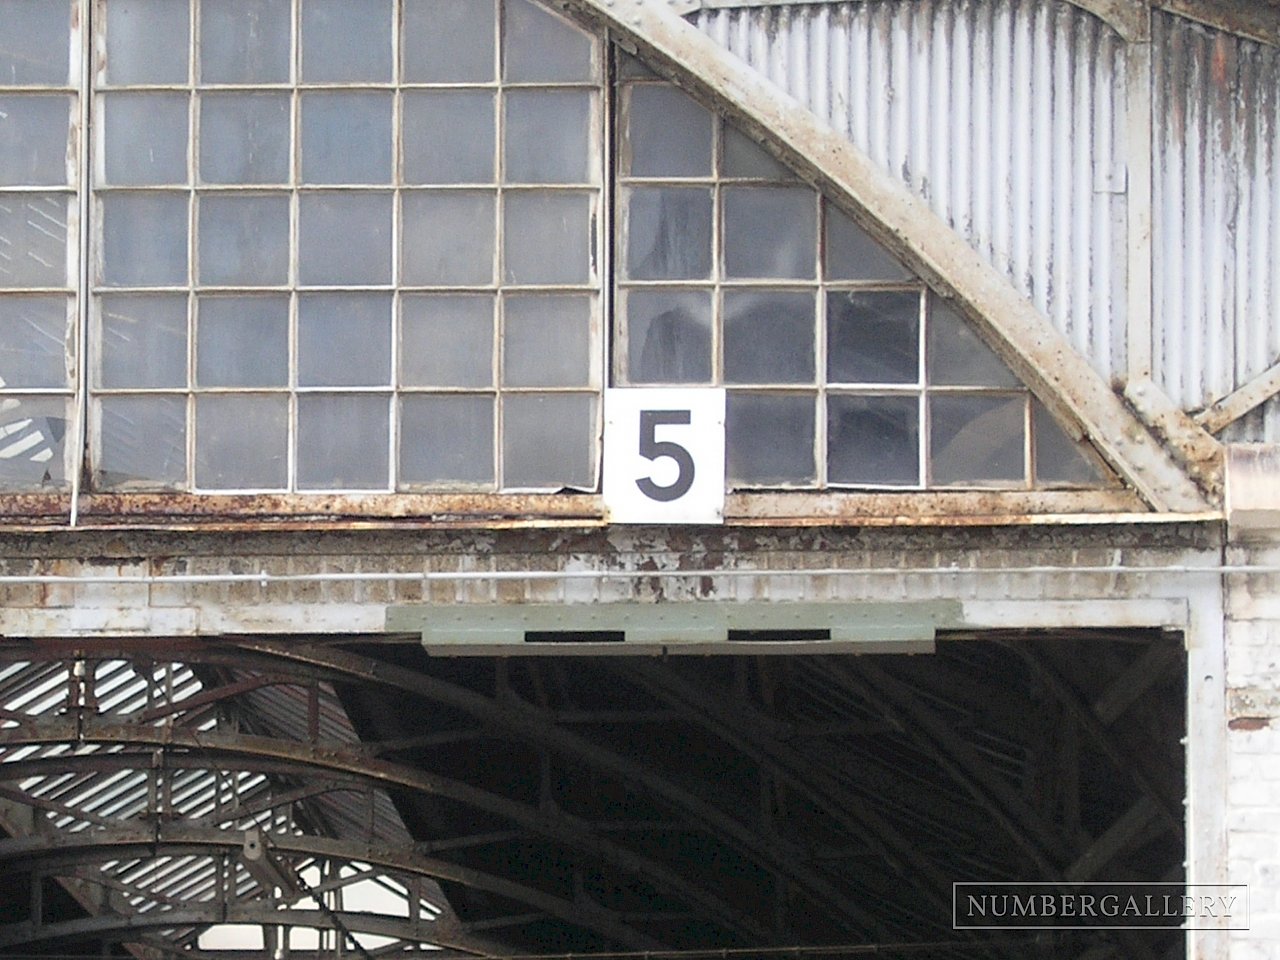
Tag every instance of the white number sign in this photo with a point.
(664, 455)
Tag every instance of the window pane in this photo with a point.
(35, 338)
(244, 137)
(770, 232)
(546, 341)
(745, 158)
(547, 136)
(242, 342)
(449, 136)
(244, 41)
(873, 337)
(768, 337)
(143, 342)
(146, 41)
(873, 440)
(853, 255)
(541, 47)
(769, 439)
(547, 237)
(242, 442)
(668, 336)
(668, 233)
(33, 447)
(342, 441)
(144, 442)
(244, 240)
(144, 239)
(33, 139)
(448, 42)
(446, 440)
(976, 439)
(146, 138)
(547, 440)
(345, 41)
(446, 341)
(1059, 459)
(448, 238)
(346, 137)
(669, 134)
(344, 339)
(33, 227)
(35, 42)
(957, 357)
(344, 238)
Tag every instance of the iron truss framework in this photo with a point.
(354, 796)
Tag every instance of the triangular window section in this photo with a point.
(842, 369)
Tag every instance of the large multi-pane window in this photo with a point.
(393, 245)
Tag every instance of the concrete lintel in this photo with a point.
(1036, 350)
(1253, 487)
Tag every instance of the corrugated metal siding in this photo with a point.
(1002, 115)
(1217, 206)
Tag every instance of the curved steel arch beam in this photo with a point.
(299, 758)
(1037, 351)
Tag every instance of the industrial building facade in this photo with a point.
(493, 479)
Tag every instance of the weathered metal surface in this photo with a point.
(1217, 201)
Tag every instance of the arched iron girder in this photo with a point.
(53, 851)
(525, 721)
(299, 758)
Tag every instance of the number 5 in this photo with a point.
(651, 448)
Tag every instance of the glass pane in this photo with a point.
(33, 234)
(33, 447)
(446, 439)
(244, 41)
(448, 238)
(669, 134)
(144, 239)
(143, 342)
(144, 442)
(242, 342)
(344, 339)
(344, 238)
(769, 439)
(33, 139)
(35, 337)
(770, 232)
(146, 138)
(957, 357)
(244, 240)
(346, 41)
(446, 341)
(449, 136)
(342, 441)
(242, 442)
(668, 233)
(668, 336)
(745, 158)
(873, 337)
(448, 42)
(977, 439)
(547, 135)
(873, 441)
(851, 254)
(547, 237)
(346, 137)
(546, 341)
(147, 41)
(1059, 459)
(547, 440)
(768, 337)
(540, 46)
(244, 137)
(35, 42)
